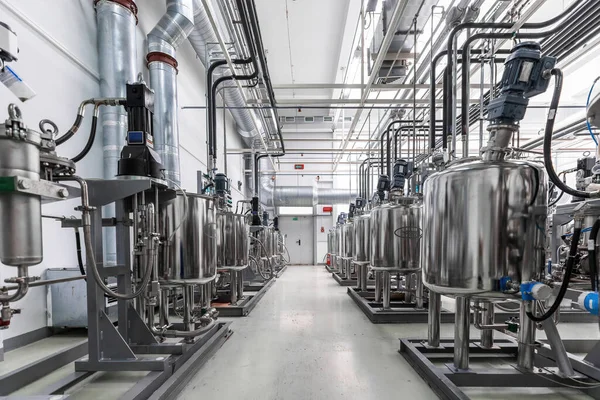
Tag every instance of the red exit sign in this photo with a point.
(327, 209)
(298, 166)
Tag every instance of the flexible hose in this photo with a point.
(587, 122)
(266, 256)
(78, 247)
(197, 332)
(90, 141)
(558, 77)
(592, 255)
(565, 283)
(89, 249)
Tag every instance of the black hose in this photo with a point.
(548, 140)
(90, 141)
(565, 283)
(72, 131)
(592, 254)
(78, 246)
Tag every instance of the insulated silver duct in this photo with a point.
(117, 65)
(272, 195)
(204, 41)
(172, 29)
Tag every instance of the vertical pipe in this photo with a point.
(466, 81)
(233, 287)
(526, 340)
(453, 91)
(117, 65)
(387, 289)
(419, 290)
(481, 116)
(487, 316)
(163, 312)
(461, 334)
(434, 318)
(377, 286)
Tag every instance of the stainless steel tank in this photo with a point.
(338, 240)
(347, 240)
(233, 240)
(483, 223)
(191, 255)
(362, 238)
(20, 213)
(266, 236)
(331, 242)
(396, 234)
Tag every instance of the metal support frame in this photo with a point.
(246, 305)
(130, 346)
(447, 382)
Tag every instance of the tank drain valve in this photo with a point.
(589, 302)
(535, 291)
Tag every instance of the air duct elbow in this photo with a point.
(173, 28)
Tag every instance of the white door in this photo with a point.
(299, 238)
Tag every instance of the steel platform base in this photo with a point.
(399, 313)
(402, 312)
(279, 272)
(435, 365)
(353, 281)
(330, 269)
(156, 385)
(246, 304)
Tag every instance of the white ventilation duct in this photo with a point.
(204, 40)
(117, 65)
(272, 195)
(168, 34)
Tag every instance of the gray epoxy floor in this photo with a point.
(307, 339)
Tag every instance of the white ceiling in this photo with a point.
(311, 52)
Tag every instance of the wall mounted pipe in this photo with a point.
(203, 40)
(117, 52)
(168, 34)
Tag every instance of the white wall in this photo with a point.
(61, 85)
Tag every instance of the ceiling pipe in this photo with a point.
(272, 195)
(204, 40)
(168, 34)
(117, 51)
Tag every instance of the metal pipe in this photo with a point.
(419, 290)
(22, 288)
(163, 310)
(46, 282)
(364, 280)
(168, 34)
(117, 63)
(387, 289)
(487, 318)
(188, 307)
(348, 262)
(461, 333)
(434, 318)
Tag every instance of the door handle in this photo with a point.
(299, 242)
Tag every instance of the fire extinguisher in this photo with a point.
(328, 259)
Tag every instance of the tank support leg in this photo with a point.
(364, 271)
(240, 284)
(233, 287)
(487, 315)
(387, 288)
(526, 340)
(377, 286)
(461, 333)
(434, 317)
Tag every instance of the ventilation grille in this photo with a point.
(306, 120)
